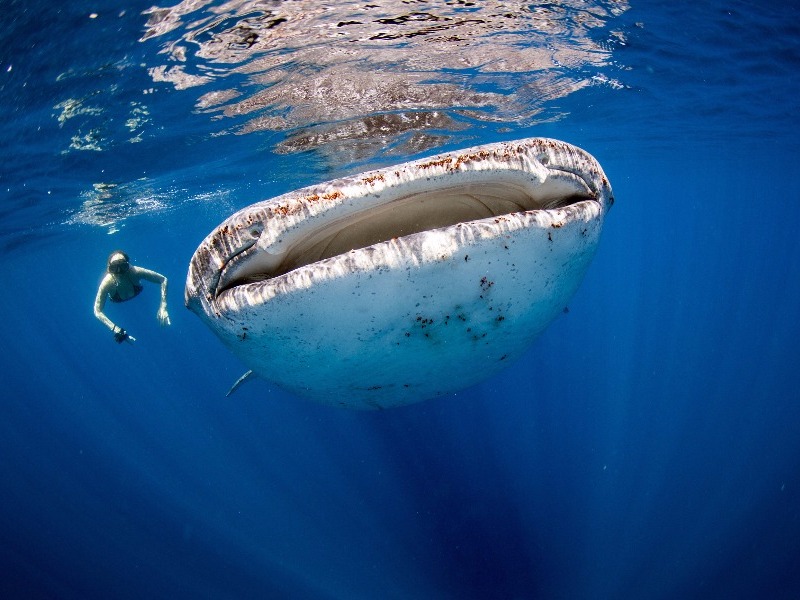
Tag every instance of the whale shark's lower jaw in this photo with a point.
(408, 282)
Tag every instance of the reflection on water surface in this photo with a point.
(383, 75)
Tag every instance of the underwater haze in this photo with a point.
(646, 446)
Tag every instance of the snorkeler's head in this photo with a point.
(118, 262)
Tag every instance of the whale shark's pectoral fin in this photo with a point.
(239, 382)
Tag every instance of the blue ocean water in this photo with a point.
(648, 444)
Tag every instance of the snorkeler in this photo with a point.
(122, 282)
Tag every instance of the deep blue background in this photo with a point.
(647, 446)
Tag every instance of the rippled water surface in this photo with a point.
(645, 447)
(399, 75)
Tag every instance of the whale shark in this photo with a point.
(407, 282)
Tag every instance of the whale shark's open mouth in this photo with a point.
(405, 215)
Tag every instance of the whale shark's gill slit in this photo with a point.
(405, 216)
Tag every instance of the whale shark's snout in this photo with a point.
(407, 282)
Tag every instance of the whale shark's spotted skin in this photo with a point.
(401, 284)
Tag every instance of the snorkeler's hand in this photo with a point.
(162, 316)
(120, 335)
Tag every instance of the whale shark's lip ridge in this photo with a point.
(266, 241)
(406, 252)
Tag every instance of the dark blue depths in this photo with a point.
(645, 447)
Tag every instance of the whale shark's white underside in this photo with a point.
(408, 282)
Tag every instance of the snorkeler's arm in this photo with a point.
(100, 302)
(154, 277)
(162, 315)
(120, 335)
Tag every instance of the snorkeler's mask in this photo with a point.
(118, 263)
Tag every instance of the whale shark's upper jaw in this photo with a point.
(484, 184)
